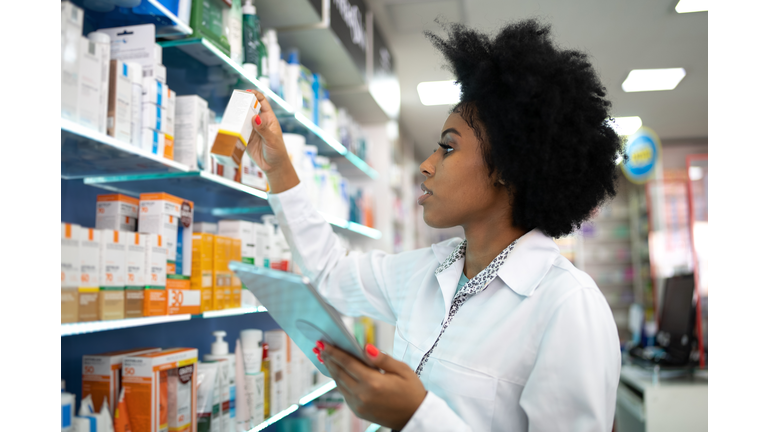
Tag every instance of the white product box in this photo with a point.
(71, 32)
(171, 217)
(235, 129)
(278, 380)
(137, 44)
(170, 114)
(154, 117)
(242, 230)
(252, 175)
(119, 102)
(116, 212)
(156, 255)
(135, 260)
(158, 54)
(102, 42)
(134, 69)
(70, 255)
(158, 73)
(191, 131)
(89, 85)
(261, 241)
(153, 141)
(90, 248)
(154, 91)
(206, 227)
(112, 258)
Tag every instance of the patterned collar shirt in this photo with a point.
(529, 344)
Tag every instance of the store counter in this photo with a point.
(661, 401)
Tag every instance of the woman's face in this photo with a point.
(458, 188)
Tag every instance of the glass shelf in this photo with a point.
(167, 24)
(195, 66)
(87, 153)
(78, 328)
(321, 390)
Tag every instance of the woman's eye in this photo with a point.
(445, 147)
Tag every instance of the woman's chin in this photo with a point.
(436, 222)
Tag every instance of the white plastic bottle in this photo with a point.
(251, 341)
(273, 51)
(220, 351)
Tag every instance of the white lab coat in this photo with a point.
(537, 350)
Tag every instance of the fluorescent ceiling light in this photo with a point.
(652, 79)
(626, 125)
(439, 92)
(686, 6)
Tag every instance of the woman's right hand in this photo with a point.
(267, 148)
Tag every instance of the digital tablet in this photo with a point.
(300, 311)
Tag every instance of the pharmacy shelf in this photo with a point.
(87, 153)
(196, 66)
(79, 328)
(309, 397)
(167, 24)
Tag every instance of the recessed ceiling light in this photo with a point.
(439, 92)
(686, 6)
(626, 125)
(652, 79)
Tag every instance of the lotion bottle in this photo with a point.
(220, 351)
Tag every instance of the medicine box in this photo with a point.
(191, 131)
(170, 217)
(153, 91)
(70, 271)
(202, 269)
(89, 85)
(135, 262)
(153, 117)
(112, 274)
(155, 294)
(236, 284)
(235, 129)
(242, 230)
(222, 276)
(71, 32)
(88, 290)
(161, 386)
(136, 43)
(102, 375)
(116, 212)
(170, 114)
(119, 108)
(206, 227)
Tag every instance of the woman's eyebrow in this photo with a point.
(449, 130)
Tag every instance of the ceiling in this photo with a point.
(619, 35)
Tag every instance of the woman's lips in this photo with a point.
(426, 194)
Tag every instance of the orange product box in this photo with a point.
(222, 276)
(202, 269)
(161, 390)
(235, 255)
(181, 298)
(102, 373)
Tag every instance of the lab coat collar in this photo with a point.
(525, 267)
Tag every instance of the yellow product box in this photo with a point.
(181, 298)
(202, 268)
(222, 276)
(102, 375)
(161, 390)
(112, 251)
(235, 255)
(171, 217)
(155, 297)
(90, 259)
(70, 271)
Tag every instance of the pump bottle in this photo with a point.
(220, 351)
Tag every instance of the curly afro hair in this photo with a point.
(541, 117)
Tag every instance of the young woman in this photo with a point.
(497, 332)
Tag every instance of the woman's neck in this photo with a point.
(485, 241)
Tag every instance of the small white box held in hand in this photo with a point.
(235, 129)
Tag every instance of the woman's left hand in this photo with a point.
(388, 399)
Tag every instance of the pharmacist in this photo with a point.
(496, 332)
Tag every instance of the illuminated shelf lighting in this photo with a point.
(352, 226)
(325, 388)
(72, 329)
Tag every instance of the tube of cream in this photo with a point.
(121, 414)
(243, 413)
(206, 392)
(106, 417)
(252, 353)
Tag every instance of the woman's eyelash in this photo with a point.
(447, 148)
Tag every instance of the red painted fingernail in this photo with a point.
(372, 350)
(316, 351)
(258, 120)
(320, 345)
(321, 360)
